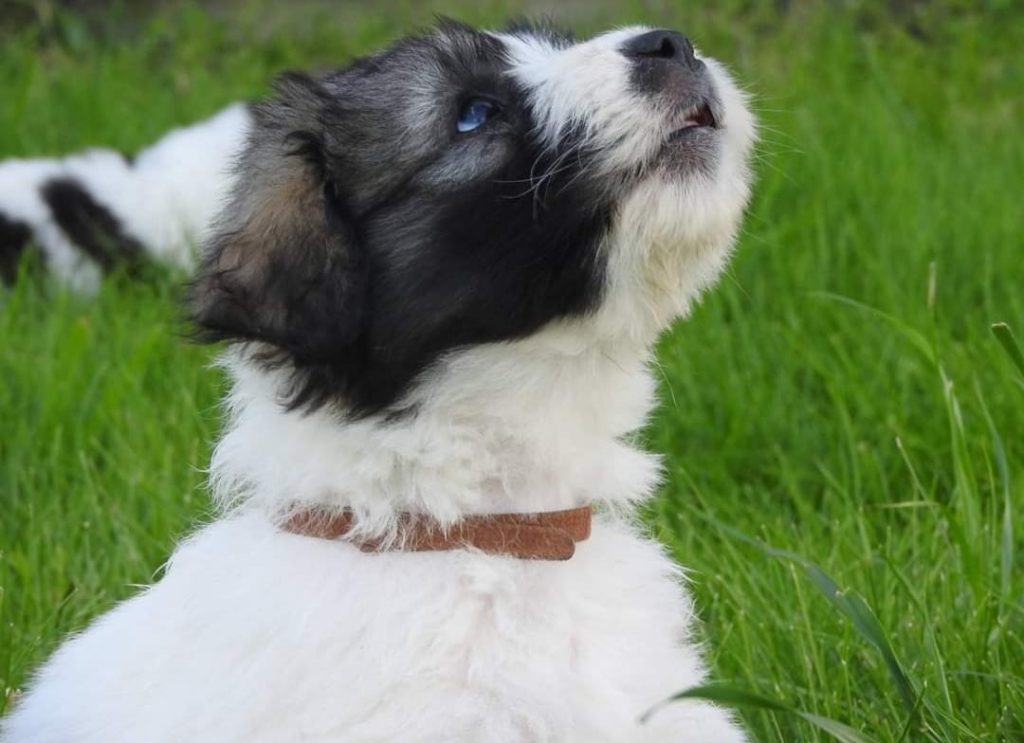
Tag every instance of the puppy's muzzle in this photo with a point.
(665, 66)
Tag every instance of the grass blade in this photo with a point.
(1006, 339)
(914, 337)
(852, 606)
(1003, 468)
(732, 696)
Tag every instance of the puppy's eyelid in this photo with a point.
(465, 100)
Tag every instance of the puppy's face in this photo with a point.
(467, 187)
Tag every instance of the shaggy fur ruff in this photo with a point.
(446, 306)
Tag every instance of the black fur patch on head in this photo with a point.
(14, 239)
(93, 228)
(367, 236)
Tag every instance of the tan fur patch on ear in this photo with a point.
(284, 213)
(276, 264)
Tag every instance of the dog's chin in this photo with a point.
(690, 150)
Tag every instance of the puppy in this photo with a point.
(97, 211)
(441, 275)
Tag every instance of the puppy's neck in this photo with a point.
(533, 425)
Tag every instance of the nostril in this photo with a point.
(667, 50)
(661, 44)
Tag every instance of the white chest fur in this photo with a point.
(256, 635)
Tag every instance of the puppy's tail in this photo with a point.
(98, 211)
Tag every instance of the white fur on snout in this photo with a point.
(586, 85)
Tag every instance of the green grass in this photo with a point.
(844, 432)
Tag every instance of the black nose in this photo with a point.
(670, 46)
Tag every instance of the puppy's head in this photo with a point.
(465, 188)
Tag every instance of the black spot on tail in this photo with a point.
(14, 238)
(92, 227)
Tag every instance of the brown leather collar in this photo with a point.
(547, 535)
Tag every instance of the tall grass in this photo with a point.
(844, 432)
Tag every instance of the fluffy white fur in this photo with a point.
(165, 199)
(257, 635)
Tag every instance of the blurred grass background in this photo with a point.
(839, 396)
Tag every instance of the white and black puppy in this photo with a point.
(98, 211)
(441, 273)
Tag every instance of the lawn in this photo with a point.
(843, 430)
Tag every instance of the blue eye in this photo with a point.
(474, 113)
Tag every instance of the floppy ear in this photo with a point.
(283, 267)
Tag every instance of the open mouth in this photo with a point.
(698, 117)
